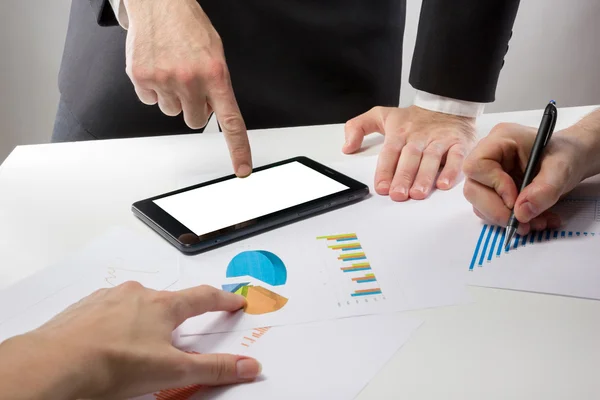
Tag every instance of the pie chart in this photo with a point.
(265, 267)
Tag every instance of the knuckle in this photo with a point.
(233, 124)
(460, 150)
(470, 166)
(212, 296)
(352, 126)
(413, 148)
(131, 286)
(99, 292)
(220, 369)
(377, 110)
(469, 191)
(501, 128)
(403, 177)
(434, 151)
(551, 192)
(161, 78)
(216, 70)
(141, 74)
(196, 120)
(167, 300)
(186, 76)
(497, 215)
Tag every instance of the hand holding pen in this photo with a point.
(496, 169)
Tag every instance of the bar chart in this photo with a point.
(350, 268)
(491, 242)
(580, 217)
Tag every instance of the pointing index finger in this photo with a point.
(223, 102)
(199, 300)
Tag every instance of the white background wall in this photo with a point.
(554, 54)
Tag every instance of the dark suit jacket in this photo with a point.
(296, 62)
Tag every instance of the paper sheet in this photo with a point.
(563, 261)
(109, 260)
(387, 263)
(325, 360)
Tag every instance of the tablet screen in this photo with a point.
(211, 208)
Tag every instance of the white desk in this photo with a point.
(507, 345)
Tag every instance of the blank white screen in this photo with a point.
(234, 201)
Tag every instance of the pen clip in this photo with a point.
(553, 114)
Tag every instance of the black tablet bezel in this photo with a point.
(188, 242)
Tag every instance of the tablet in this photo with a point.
(210, 214)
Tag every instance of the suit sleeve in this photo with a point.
(104, 12)
(460, 47)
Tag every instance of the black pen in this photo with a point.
(541, 140)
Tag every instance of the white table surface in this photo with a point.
(506, 345)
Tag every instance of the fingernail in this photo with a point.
(506, 200)
(530, 210)
(248, 368)
(421, 189)
(243, 170)
(444, 183)
(400, 189)
(383, 186)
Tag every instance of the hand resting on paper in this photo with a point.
(495, 168)
(417, 143)
(116, 343)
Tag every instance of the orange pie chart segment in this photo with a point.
(263, 301)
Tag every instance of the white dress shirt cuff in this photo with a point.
(120, 12)
(447, 105)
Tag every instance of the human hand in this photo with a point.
(495, 169)
(116, 343)
(417, 142)
(175, 58)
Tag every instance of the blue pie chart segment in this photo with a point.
(262, 265)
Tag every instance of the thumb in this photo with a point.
(541, 194)
(221, 369)
(357, 128)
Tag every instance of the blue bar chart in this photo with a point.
(491, 242)
(580, 216)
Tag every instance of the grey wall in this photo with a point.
(554, 53)
(32, 34)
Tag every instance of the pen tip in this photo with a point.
(552, 102)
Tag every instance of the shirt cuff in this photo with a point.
(120, 12)
(447, 105)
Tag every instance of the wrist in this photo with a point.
(588, 135)
(33, 367)
(135, 8)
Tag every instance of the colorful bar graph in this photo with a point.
(355, 269)
(358, 272)
(491, 241)
(366, 292)
(350, 255)
(365, 279)
(347, 236)
(344, 246)
(352, 248)
(365, 264)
